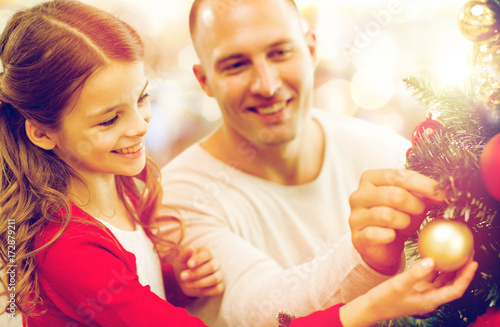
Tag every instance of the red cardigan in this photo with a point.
(329, 317)
(87, 278)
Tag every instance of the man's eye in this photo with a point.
(234, 67)
(280, 53)
(143, 98)
(109, 122)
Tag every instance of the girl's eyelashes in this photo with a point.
(143, 98)
(109, 122)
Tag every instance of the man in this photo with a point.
(268, 191)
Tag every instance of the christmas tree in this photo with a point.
(459, 146)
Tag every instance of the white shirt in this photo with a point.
(146, 257)
(281, 247)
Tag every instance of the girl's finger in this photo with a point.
(417, 274)
(208, 281)
(184, 255)
(203, 270)
(200, 256)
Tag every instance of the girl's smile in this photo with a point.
(133, 152)
(132, 149)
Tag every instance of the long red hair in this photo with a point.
(47, 53)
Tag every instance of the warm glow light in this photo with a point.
(372, 89)
(477, 10)
(328, 31)
(210, 110)
(381, 51)
(393, 120)
(364, 50)
(452, 69)
(303, 4)
(187, 58)
(335, 95)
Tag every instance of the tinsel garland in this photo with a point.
(452, 158)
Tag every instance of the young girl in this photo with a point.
(76, 185)
(78, 191)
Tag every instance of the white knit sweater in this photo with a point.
(146, 257)
(281, 247)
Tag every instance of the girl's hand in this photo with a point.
(418, 290)
(198, 272)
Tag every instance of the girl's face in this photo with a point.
(104, 128)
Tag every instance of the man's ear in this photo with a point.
(311, 44)
(199, 72)
(39, 135)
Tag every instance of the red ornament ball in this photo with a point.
(489, 166)
(490, 319)
(428, 127)
(448, 242)
(408, 152)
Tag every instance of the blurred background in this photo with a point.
(365, 49)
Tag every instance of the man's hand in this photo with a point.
(386, 209)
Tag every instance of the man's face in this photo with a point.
(258, 64)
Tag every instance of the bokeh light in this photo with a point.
(372, 89)
(364, 50)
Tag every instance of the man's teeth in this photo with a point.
(271, 109)
(130, 150)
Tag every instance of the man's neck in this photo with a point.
(294, 163)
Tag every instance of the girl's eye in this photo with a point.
(109, 122)
(143, 98)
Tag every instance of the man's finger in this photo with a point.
(418, 184)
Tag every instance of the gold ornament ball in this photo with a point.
(477, 20)
(484, 59)
(448, 242)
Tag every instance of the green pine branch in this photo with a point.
(451, 156)
(431, 96)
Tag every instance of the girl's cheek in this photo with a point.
(84, 148)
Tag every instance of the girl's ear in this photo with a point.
(39, 135)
